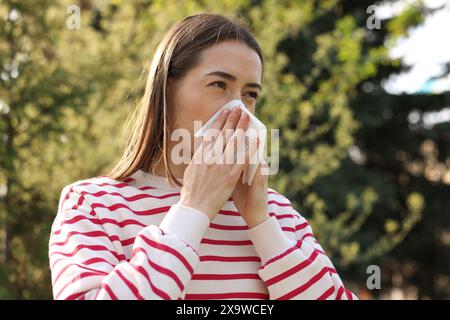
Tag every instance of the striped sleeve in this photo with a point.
(297, 269)
(86, 262)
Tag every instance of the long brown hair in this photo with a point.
(147, 128)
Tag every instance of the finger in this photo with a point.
(252, 159)
(244, 120)
(221, 119)
(244, 158)
(236, 142)
(212, 133)
(242, 138)
(236, 146)
(229, 127)
(210, 136)
(240, 128)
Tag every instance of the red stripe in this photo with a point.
(74, 264)
(74, 296)
(238, 214)
(93, 234)
(155, 289)
(75, 220)
(98, 221)
(279, 203)
(234, 276)
(326, 294)
(281, 216)
(229, 213)
(279, 195)
(301, 226)
(80, 201)
(321, 252)
(227, 242)
(230, 259)
(96, 260)
(297, 268)
(339, 293)
(224, 227)
(90, 247)
(305, 286)
(109, 291)
(278, 257)
(79, 277)
(170, 250)
(85, 263)
(72, 233)
(306, 235)
(231, 295)
(118, 185)
(133, 198)
(67, 196)
(161, 269)
(349, 294)
(116, 206)
(130, 285)
(121, 224)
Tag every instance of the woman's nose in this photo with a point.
(238, 97)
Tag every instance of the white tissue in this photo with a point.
(255, 124)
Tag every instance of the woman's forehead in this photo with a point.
(236, 59)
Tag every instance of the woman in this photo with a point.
(203, 234)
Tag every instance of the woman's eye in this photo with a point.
(220, 84)
(254, 95)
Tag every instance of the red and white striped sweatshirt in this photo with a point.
(131, 240)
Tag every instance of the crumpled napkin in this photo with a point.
(258, 127)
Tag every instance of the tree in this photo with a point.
(394, 171)
(65, 94)
(55, 85)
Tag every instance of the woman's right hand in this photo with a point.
(209, 179)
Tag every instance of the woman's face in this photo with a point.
(226, 71)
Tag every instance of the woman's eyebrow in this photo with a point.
(232, 78)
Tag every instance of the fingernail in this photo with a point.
(236, 110)
(226, 112)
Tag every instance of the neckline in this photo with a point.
(160, 182)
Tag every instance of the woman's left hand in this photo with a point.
(251, 200)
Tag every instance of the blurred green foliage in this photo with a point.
(65, 94)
